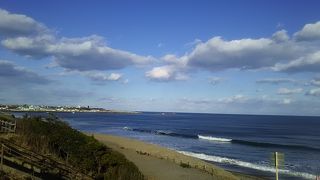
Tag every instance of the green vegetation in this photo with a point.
(52, 136)
(6, 117)
(4, 175)
(143, 153)
(185, 165)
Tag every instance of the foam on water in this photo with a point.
(226, 160)
(210, 138)
(127, 128)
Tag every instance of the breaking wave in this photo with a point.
(230, 161)
(257, 144)
(223, 140)
(210, 138)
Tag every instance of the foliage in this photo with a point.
(50, 135)
(185, 165)
(6, 117)
(4, 175)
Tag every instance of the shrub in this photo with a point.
(51, 135)
(185, 165)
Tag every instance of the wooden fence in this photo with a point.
(36, 162)
(8, 126)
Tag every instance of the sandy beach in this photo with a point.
(158, 163)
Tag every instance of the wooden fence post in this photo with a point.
(15, 126)
(2, 154)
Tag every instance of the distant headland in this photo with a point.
(45, 108)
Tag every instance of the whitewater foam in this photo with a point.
(127, 128)
(163, 132)
(226, 160)
(210, 138)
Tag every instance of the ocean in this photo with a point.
(242, 143)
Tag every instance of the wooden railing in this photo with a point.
(8, 126)
(36, 162)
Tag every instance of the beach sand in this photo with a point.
(158, 163)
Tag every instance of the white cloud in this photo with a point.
(234, 99)
(280, 36)
(26, 36)
(308, 63)
(313, 92)
(309, 32)
(37, 47)
(275, 81)
(14, 75)
(215, 80)
(249, 105)
(180, 62)
(91, 54)
(114, 76)
(286, 101)
(161, 73)
(202, 101)
(19, 24)
(83, 54)
(239, 98)
(286, 91)
(98, 76)
(278, 53)
(110, 100)
(175, 69)
(218, 54)
(315, 82)
(34, 40)
(165, 73)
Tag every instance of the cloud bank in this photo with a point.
(310, 32)
(32, 39)
(19, 25)
(15, 75)
(278, 53)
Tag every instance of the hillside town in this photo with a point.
(44, 108)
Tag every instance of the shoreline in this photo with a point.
(157, 162)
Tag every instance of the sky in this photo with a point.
(234, 57)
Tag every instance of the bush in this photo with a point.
(50, 135)
(185, 165)
(6, 117)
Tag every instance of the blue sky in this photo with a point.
(247, 57)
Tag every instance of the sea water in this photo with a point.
(243, 143)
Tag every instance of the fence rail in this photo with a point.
(31, 160)
(8, 126)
